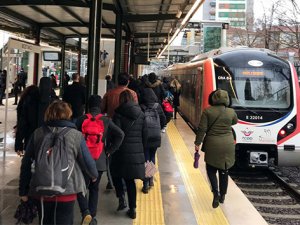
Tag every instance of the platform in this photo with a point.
(181, 195)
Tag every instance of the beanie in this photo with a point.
(94, 101)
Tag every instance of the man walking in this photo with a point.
(75, 95)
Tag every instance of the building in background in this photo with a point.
(235, 12)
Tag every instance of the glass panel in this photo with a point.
(256, 87)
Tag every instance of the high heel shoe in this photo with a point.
(131, 213)
(122, 203)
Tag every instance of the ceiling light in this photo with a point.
(178, 14)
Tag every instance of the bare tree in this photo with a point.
(248, 36)
(289, 26)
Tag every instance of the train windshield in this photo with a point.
(256, 87)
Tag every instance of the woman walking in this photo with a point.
(128, 162)
(56, 208)
(218, 144)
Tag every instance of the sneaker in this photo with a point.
(163, 130)
(86, 219)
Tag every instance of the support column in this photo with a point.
(79, 56)
(63, 62)
(94, 47)
(36, 68)
(131, 64)
(126, 55)
(118, 43)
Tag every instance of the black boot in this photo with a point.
(151, 182)
(122, 203)
(222, 199)
(215, 202)
(131, 213)
(145, 186)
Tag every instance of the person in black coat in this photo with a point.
(154, 83)
(128, 162)
(27, 113)
(31, 111)
(75, 95)
(112, 137)
(148, 99)
(47, 96)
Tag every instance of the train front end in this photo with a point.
(264, 90)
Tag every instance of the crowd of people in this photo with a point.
(132, 117)
(120, 133)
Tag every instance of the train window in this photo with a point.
(256, 87)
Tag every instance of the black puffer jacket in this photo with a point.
(157, 87)
(128, 161)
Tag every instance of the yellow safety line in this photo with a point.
(197, 188)
(149, 210)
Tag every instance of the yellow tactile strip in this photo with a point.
(149, 210)
(198, 191)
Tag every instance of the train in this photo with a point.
(264, 93)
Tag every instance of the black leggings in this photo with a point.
(223, 179)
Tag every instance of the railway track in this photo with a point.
(277, 200)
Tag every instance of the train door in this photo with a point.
(198, 93)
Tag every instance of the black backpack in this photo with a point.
(51, 166)
(153, 123)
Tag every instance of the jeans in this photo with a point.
(91, 203)
(131, 190)
(223, 179)
(60, 213)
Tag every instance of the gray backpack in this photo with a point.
(51, 166)
(153, 124)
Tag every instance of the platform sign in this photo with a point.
(211, 37)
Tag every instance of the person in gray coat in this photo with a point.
(215, 134)
(57, 209)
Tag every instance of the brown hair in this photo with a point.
(125, 96)
(58, 110)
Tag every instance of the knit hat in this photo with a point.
(95, 101)
(152, 77)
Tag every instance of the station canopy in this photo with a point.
(59, 19)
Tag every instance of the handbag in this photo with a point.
(150, 169)
(26, 212)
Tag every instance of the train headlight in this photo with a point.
(282, 133)
(290, 126)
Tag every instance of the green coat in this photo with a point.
(218, 142)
